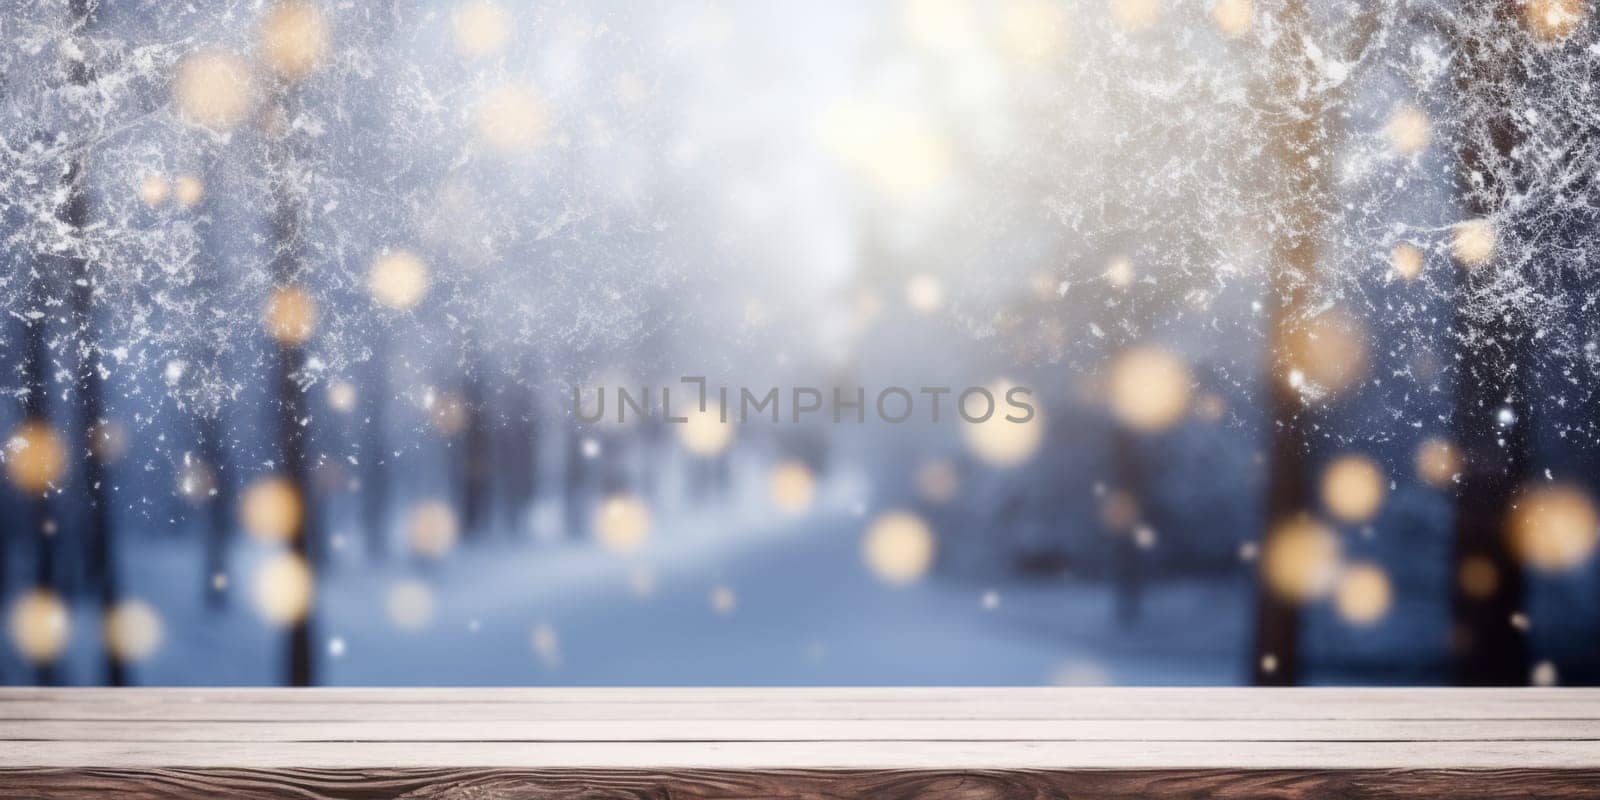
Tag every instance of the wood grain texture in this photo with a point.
(473, 705)
(799, 743)
(778, 730)
(502, 784)
(724, 754)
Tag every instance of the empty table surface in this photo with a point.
(869, 742)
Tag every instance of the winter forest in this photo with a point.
(297, 296)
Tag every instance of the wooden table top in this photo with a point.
(829, 729)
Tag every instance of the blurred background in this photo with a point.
(296, 295)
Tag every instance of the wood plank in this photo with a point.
(1193, 696)
(623, 712)
(811, 755)
(173, 784)
(175, 741)
(791, 704)
(693, 730)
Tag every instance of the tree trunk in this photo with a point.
(219, 509)
(289, 362)
(1300, 158)
(476, 460)
(375, 483)
(518, 454)
(1492, 423)
(574, 477)
(102, 568)
(37, 525)
(1128, 571)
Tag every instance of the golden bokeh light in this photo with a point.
(938, 24)
(924, 293)
(1406, 261)
(1472, 242)
(918, 167)
(153, 190)
(431, 529)
(284, 589)
(898, 548)
(133, 631)
(1233, 17)
(622, 523)
(1300, 561)
(1364, 595)
(998, 441)
(792, 487)
(188, 190)
(40, 625)
(1119, 511)
(448, 414)
(1353, 488)
(1136, 15)
(36, 457)
(481, 28)
(895, 150)
(294, 39)
(1408, 130)
(1552, 20)
(1553, 528)
(1326, 354)
(342, 396)
(1544, 675)
(512, 119)
(1438, 462)
(1148, 389)
(1032, 30)
(290, 316)
(270, 510)
(108, 441)
(705, 434)
(1477, 577)
(213, 89)
(546, 644)
(722, 600)
(1119, 272)
(409, 605)
(937, 481)
(398, 279)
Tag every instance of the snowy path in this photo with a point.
(804, 612)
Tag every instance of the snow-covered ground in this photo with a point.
(741, 602)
